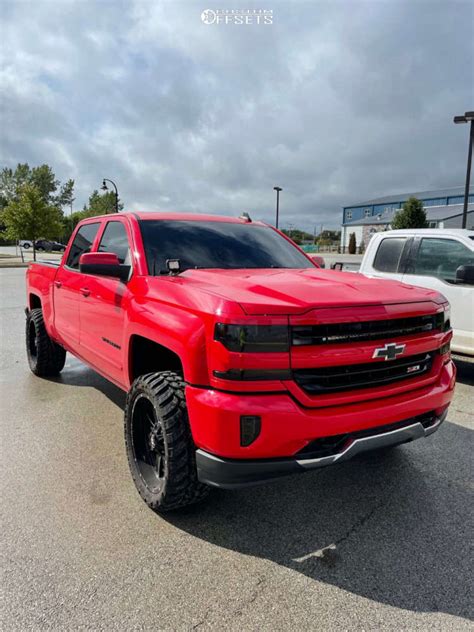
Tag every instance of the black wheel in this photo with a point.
(45, 357)
(26, 246)
(160, 449)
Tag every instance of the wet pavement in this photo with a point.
(378, 543)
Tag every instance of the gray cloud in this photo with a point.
(335, 102)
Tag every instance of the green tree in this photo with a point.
(66, 194)
(328, 237)
(42, 177)
(52, 192)
(45, 181)
(71, 221)
(97, 205)
(28, 216)
(8, 186)
(102, 204)
(412, 215)
(297, 235)
(352, 244)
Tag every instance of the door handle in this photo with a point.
(85, 291)
(58, 284)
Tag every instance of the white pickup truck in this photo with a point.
(439, 259)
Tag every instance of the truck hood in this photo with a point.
(288, 291)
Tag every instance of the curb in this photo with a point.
(13, 264)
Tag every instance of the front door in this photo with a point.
(67, 287)
(434, 266)
(104, 307)
(389, 258)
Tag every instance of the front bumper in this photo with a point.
(232, 473)
(288, 426)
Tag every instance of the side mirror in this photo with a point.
(317, 260)
(465, 274)
(103, 264)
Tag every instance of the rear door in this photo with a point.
(433, 264)
(104, 306)
(68, 284)
(389, 257)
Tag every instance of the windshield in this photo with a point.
(223, 245)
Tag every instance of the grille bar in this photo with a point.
(355, 376)
(368, 330)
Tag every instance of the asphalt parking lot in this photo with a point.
(379, 543)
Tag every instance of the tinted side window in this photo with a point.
(389, 253)
(82, 243)
(115, 240)
(441, 257)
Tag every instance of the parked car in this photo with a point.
(25, 243)
(50, 246)
(243, 362)
(317, 259)
(438, 259)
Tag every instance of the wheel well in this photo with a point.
(147, 356)
(35, 301)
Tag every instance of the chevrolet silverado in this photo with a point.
(242, 360)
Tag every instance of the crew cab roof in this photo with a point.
(456, 232)
(180, 217)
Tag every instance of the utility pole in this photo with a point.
(277, 189)
(467, 117)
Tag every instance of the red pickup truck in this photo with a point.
(242, 361)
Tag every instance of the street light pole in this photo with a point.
(277, 189)
(104, 187)
(468, 117)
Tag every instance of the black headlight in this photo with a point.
(253, 338)
(447, 317)
(442, 320)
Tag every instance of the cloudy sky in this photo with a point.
(336, 102)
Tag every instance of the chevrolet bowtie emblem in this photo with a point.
(389, 352)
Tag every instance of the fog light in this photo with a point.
(249, 429)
